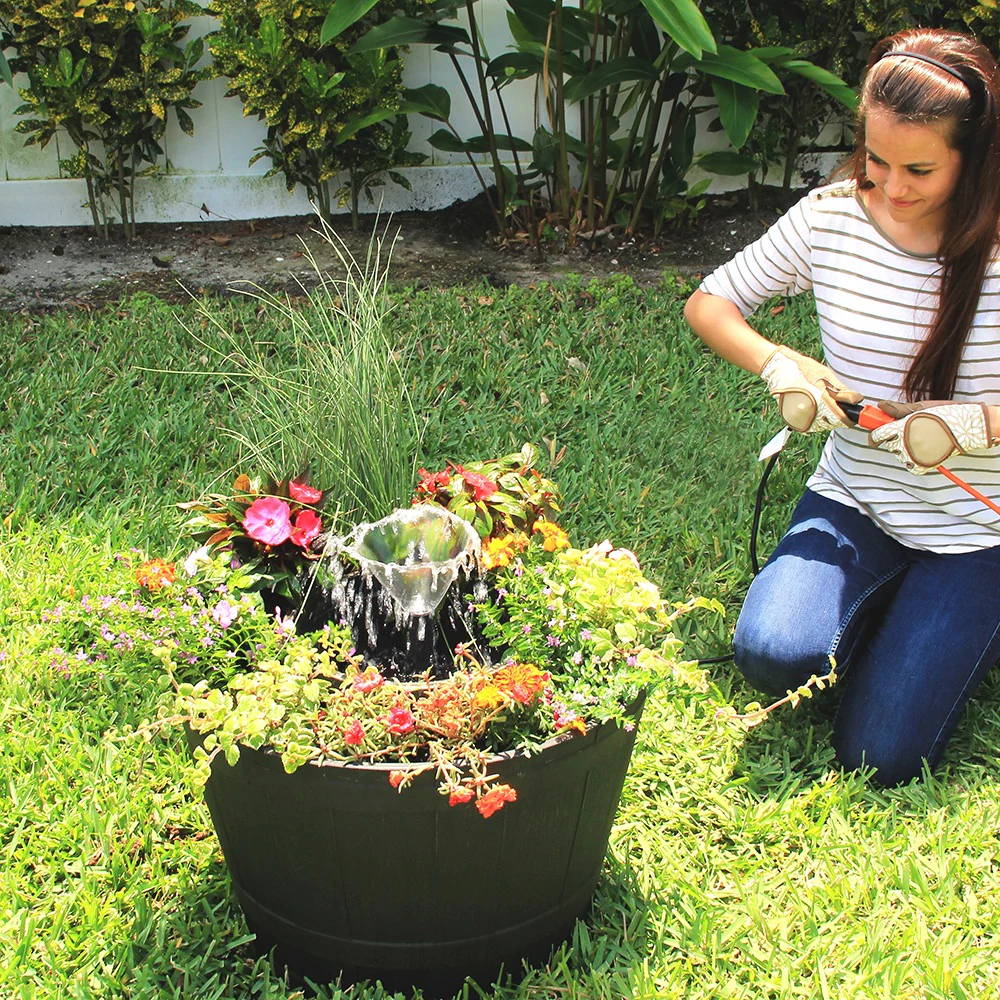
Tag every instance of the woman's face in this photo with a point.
(913, 167)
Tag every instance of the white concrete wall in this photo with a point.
(207, 175)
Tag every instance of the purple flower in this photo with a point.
(631, 660)
(585, 634)
(578, 657)
(553, 640)
(225, 614)
(526, 629)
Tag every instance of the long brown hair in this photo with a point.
(918, 92)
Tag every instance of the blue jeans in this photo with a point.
(912, 632)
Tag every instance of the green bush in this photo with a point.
(327, 110)
(107, 72)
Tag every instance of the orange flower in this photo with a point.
(155, 574)
(523, 682)
(396, 778)
(489, 695)
(553, 537)
(460, 795)
(499, 551)
(495, 799)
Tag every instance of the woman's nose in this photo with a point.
(895, 186)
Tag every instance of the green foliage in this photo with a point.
(328, 110)
(108, 73)
(636, 71)
(496, 496)
(838, 37)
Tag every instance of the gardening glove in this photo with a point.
(923, 435)
(807, 392)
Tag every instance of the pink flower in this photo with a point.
(354, 734)
(307, 526)
(268, 520)
(303, 492)
(225, 614)
(369, 680)
(400, 720)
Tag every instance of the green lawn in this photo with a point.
(742, 864)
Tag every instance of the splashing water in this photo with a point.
(416, 553)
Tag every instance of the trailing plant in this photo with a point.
(107, 73)
(328, 110)
(638, 73)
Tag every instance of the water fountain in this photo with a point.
(404, 584)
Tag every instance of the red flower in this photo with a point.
(482, 487)
(368, 680)
(431, 482)
(400, 720)
(307, 527)
(268, 520)
(460, 795)
(354, 735)
(495, 799)
(303, 492)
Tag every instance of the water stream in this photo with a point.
(405, 585)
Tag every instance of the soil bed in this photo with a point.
(49, 267)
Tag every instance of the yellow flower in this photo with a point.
(489, 696)
(553, 537)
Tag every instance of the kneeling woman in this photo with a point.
(887, 566)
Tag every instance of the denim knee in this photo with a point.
(774, 661)
(890, 761)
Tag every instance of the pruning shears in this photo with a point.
(868, 417)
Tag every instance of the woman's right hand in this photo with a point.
(807, 392)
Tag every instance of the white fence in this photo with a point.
(207, 177)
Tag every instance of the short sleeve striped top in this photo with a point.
(875, 302)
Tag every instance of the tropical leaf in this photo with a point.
(725, 161)
(740, 67)
(430, 100)
(5, 72)
(535, 16)
(684, 23)
(409, 31)
(737, 109)
(342, 14)
(824, 79)
(626, 69)
(352, 128)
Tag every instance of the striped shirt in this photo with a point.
(875, 302)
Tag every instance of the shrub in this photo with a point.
(107, 72)
(327, 110)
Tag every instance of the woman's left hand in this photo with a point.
(925, 434)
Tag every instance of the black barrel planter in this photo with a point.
(345, 876)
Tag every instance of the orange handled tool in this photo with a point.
(869, 417)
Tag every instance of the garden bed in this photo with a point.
(49, 267)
